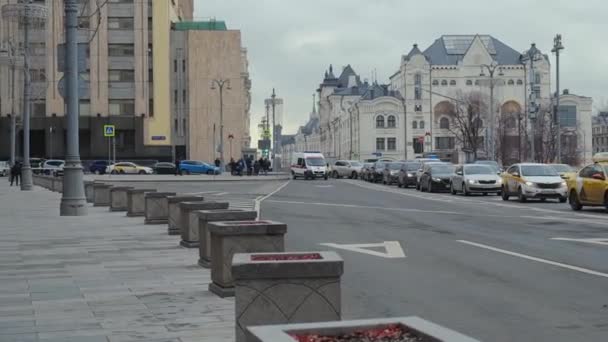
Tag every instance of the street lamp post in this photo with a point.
(557, 47)
(73, 201)
(490, 133)
(532, 55)
(273, 97)
(220, 83)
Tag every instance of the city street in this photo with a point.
(498, 271)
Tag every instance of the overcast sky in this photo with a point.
(292, 42)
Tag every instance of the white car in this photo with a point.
(309, 165)
(346, 168)
(475, 178)
(5, 170)
(53, 167)
(128, 168)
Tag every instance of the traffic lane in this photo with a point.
(475, 291)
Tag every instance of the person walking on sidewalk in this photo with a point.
(232, 166)
(16, 173)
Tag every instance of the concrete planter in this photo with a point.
(424, 330)
(101, 195)
(157, 207)
(175, 214)
(204, 217)
(230, 237)
(136, 204)
(89, 192)
(189, 225)
(304, 288)
(118, 198)
(57, 184)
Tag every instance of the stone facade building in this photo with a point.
(600, 132)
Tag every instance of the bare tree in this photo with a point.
(468, 114)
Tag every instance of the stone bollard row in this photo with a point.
(189, 223)
(157, 207)
(175, 213)
(101, 194)
(118, 198)
(136, 202)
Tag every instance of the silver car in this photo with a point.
(475, 178)
(346, 168)
(5, 170)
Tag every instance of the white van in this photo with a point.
(309, 165)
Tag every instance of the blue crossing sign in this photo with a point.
(108, 130)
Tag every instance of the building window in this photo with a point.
(520, 82)
(37, 75)
(536, 91)
(175, 97)
(418, 108)
(39, 108)
(379, 144)
(122, 107)
(84, 108)
(120, 23)
(444, 83)
(120, 50)
(444, 143)
(415, 124)
(421, 124)
(37, 49)
(184, 66)
(417, 93)
(175, 65)
(184, 96)
(511, 82)
(391, 144)
(121, 75)
(476, 82)
(151, 108)
(435, 82)
(418, 79)
(567, 116)
(469, 82)
(175, 125)
(379, 121)
(444, 123)
(537, 78)
(125, 140)
(418, 144)
(453, 82)
(83, 22)
(392, 122)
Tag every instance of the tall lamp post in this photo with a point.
(73, 201)
(273, 98)
(557, 47)
(533, 55)
(11, 58)
(220, 83)
(491, 68)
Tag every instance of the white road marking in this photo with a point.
(393, 248)
(597, 241)
(324, 186)
(343, 205)
(260, 199)
(222, 194)
(528, 257)
(430, 197)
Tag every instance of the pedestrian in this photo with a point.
(256, 167)
(218, 162)
(266, 166)
(249, 165)
(232, 165)
(240, 167)
(16, 173)
(178, 171)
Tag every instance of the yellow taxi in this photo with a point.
(589, 186)
(128, 168)
(531, 180)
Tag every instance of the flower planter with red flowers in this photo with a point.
(400, 329)
(230, 237)
(290, 287)
(189, 224)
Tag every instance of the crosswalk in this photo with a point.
(235, 201)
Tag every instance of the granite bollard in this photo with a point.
(89, 192)
(118, 198)
(417, 328)
(230, 237)
(281, 288)
(189, 224)
(175, 213)
(136, 201)
(204, 217)
(157, 207)
(101, 195)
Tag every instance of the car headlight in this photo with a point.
(437, 179)
(499, 181)
(564, 184)
(472, 181)
(410, 175)
(530, 184)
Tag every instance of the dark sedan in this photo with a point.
(407, 174)
(437, 177)
(376, 172)
(164, 168)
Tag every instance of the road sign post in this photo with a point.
(109, 131)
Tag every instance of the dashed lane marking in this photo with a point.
(260, 199)
(597, 241)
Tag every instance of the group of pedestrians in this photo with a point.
(249, 166)
(15, 173)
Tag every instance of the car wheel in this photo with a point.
(504, 194)
(325, 177)
(209, 172)
(114, 172)
(399, 185)
(452, 189)
(122, 172)
(521, 197)
(429, 186)
(465, 191)
(417, 186)
(335, 174)
(293, 174)
(142, 172)
(354, 175)
(575, 204)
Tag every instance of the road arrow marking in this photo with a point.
(392, 248)
(597, 241)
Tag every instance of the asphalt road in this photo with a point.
(487, 268)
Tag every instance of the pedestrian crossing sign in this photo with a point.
(108, 130)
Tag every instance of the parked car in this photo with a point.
(164, 168)
(98, 167)
(376, 172)
(475, 178)
(564, 170)
(407, 174)
(5, 169)
(390, 174)
(198, 167)
(494, 165)
(425, 164)
(436, 177)
(51, 166)
(365, 171)
(529, 180)
(36, 165)
(128, 168)
(589, 187)
(346, 168)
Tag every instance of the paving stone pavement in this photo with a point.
(103, 277)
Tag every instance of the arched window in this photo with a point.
(510, 123)
(476, 82)
(435, 82)
(415, 124)
(391, 121)
(453, 82)
(417, 79)
(379, 121)
(520, 82)
(421, 124)
(444, 83)
(511, 82)
(444, 123)
(469, 82)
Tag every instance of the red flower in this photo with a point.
(286, 257)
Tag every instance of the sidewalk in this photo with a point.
(225, 177)
(103, 277)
